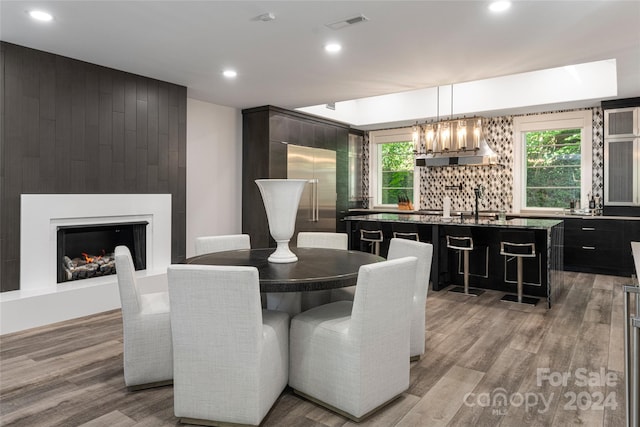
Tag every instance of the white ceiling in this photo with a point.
(405, 45)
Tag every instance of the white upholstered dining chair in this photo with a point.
(146, 324)
(326, 240)
(229, 242)
(399, 248)
(230, 356)
(353, 357)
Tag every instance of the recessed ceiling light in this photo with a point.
(40, 15)
(229, 74)
(499, 6)
(332, 47)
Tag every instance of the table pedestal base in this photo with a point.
(289, 302)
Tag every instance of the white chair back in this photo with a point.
(318, 239)
(229, 242)
(224, 298)
(399, 248)
(127, 286)
(383, 296)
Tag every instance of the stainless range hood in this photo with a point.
(456, 142)
(484, 155)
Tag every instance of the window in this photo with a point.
(392, 168)
(552, 160)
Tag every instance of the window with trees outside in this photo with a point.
(552, 164)
(392, 167)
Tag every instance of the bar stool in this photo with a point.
(402, 230)
(371, 232)
(518, 244)
(460, 239)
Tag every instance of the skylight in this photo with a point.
(571, 83)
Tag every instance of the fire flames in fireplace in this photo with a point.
(87, 251)
(87, 266)
(89, 258)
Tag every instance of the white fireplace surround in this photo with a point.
(41, 300)
(42, 214)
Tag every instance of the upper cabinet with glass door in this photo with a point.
(621, 163)
(621, 171)
(622, 122)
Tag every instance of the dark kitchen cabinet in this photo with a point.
(600, 245)
(594, 245)
(266, 132)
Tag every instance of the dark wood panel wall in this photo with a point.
(72, 127)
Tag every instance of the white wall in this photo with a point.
(214, 170)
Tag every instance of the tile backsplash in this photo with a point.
(497, 180)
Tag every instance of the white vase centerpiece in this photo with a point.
(281, 198)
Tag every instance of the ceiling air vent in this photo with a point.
(347, 22)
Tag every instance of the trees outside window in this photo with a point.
(553, 167)
(552, 160)
(392, 167)
(396, 172)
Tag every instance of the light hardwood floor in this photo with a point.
(478, 350)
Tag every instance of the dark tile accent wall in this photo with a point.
(436, 183)
(72, 127)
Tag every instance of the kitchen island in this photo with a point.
(488, 269)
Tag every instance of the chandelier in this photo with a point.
(453, 141)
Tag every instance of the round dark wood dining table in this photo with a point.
(316, 268)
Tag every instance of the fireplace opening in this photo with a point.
(86, 251)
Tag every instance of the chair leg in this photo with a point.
(520, 298)
(465, 274)
(466, 271)
(519, 279)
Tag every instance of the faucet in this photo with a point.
(478, 193)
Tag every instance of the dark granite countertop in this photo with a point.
(468, 220)
(487, 214)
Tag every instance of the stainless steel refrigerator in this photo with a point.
(317, 210)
